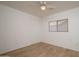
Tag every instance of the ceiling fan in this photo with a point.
(44, 6)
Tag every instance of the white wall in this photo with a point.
(17, 29)
(68, 39)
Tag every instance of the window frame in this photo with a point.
(57, 25)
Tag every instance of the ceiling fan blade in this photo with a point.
(50, 7)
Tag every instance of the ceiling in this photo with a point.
(33, 7)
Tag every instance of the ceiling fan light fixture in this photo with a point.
(43, 7)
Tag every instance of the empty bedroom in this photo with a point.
(39, 28)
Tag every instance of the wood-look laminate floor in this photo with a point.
(42, 50)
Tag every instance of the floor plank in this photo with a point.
(43, 50)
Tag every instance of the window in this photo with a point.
(58, 26)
